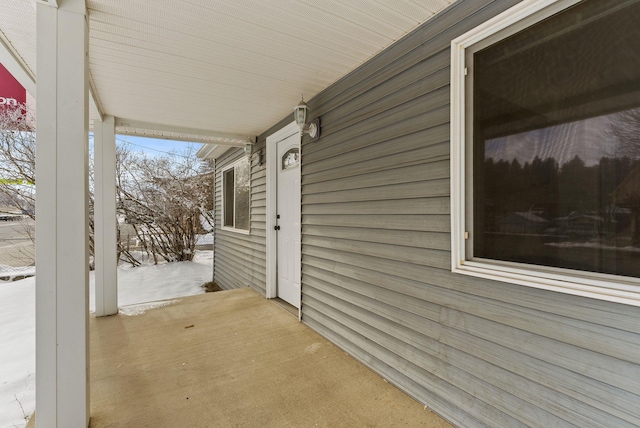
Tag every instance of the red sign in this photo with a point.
(12, 93)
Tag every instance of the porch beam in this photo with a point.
(146, 129)
(62, 276)
(105, 225)
(95, 100)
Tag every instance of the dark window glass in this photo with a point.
(556, 142)
(228, 184)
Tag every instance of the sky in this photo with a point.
(154, 146)
(590, 139)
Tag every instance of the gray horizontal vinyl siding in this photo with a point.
(239, 259)
(376, 276)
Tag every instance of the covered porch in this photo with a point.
(232, 358)
(211, 72)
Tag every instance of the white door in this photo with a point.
(288, 219)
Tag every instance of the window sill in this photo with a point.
(232, 229)
(605, 287)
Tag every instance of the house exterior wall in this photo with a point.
(239, 259)
(376, 261)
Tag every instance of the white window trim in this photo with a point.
(593, 285)
(229, 228)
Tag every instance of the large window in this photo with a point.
(546, 133)
(236, 181)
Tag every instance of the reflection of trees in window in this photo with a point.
(544, 186)
(556, 141)
(625, 128)
(242, 195)
(237, 193)
(574, 215)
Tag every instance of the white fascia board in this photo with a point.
(12, 61)
(212, 151)
(76, 6)
(52, 3)
(146, 129)
(94, 99)
(205, 151)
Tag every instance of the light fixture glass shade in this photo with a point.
(300, 113)
(248, 147)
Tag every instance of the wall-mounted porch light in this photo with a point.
(248, 148)
(300, 115)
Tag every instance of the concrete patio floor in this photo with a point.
(234, 359)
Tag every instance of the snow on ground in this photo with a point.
(205, 239)
(17, 351)
(150, 283)
(146, 283)
(10, 273)
(596, 245)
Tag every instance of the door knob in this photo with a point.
(276, 227)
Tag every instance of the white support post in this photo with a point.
(105, 227)
(62, 276)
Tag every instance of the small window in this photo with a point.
(545, 128)
(236, 196)
(291, 159)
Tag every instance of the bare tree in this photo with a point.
(18, 160)
(17, 186)
(625, 129)
(165, 199)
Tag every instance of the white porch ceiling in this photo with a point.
(228, 67)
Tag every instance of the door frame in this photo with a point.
(272, 204)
